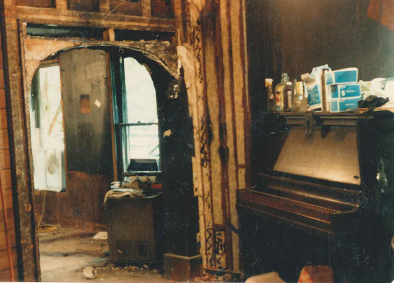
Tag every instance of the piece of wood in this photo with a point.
(104, 6)
(179, 18)
(127, 8)
(84, 5)
(4, 259)
(21, 172)
(6, 181)
(61, 4)
(11, 237)
(111, 111)
(87, 136)
(87, 19)
(2, 98)
(35, 3)
(7, 199)
(109, 34)
(161, 8)
(4, 141)
(3, 119)
(5, 275)
(229, 120)
(1, 78)
(146, 8)
(4, 159)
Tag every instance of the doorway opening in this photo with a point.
(95, 118)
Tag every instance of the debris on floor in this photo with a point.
(70, 254)
(88, 272)
(101, 236)
(219, 277)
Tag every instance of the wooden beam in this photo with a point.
(25, 225)
(105, 6)
(61, 4)
(146, 8)
(109, 34)
(87, 19)
(178, 12)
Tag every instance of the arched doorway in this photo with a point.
(96, 107)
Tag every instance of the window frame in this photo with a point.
(118, 77)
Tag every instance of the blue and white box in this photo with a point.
(343, 76)
(314, 96)
(344, 104)
(344, 91)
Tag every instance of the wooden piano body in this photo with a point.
(322, 195)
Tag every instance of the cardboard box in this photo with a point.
(344, 104)
(343, 76)
(344, 91)
(314, 96)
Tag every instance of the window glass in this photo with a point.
(140, 134)
(140, 93)
(47, 130)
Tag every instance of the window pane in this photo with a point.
(47, 134)
(51, 109)
(140, 103)
(142, 143)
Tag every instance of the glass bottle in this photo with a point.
(288, 97)
(280, 93)
(297, 95)
(270, 95)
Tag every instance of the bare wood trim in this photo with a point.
(109, 34)
(146, 8)
(6, 232)
(111, 111)
(88, 19)
(20, 159)
(178, 9)
(246, 101)
(61, 4)
(29, 154)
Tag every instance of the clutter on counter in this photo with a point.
(328, 90)
(133, 187)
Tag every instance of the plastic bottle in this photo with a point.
(280, 93)
(302, 90)
(297, 95)
(270, 95)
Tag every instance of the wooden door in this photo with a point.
(88, 140)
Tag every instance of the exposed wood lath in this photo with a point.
(89, 19)
(216, 77)
(18, 147)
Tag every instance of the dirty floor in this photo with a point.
(66, 252)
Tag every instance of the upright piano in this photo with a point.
(323, 195)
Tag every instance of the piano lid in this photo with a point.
(329, 154)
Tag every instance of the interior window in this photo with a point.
(140, 128)
(47, 133)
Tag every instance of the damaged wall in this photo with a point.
(212, 52)
(8, 253)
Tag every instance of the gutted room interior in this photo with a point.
(162, 140)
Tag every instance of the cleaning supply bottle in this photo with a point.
(301, 87)
(280, 93)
